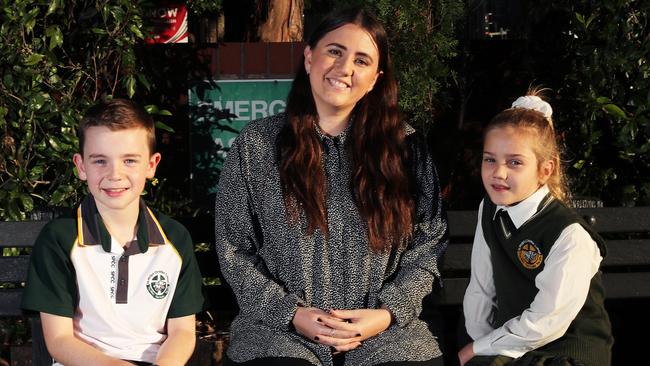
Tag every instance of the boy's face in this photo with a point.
(510, 170)
(116, 165)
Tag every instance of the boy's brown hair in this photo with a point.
(117, 114)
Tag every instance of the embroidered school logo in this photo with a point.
(529, 254)
(158, 284)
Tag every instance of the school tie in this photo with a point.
(505, 223)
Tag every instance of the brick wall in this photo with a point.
(258, 60)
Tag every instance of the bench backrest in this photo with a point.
(626, 267)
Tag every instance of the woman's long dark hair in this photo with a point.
(380, 180)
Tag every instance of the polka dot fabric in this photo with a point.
(273, 266)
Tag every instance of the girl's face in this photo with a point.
(510, 170)
(342, 68)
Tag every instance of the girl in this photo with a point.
(329, 223)
(535, 295)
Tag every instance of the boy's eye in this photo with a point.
(130, 161)
(99, 162)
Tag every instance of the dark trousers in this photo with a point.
(288, 361)
(531, 358)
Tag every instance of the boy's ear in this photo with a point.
(78, 161)
(545, 171)
(154, 159)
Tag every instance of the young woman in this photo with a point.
(535, 295)
(329, 224)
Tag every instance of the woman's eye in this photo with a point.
(362, 62)
(488, 160)
(334, 52)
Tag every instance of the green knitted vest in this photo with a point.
(518, 257)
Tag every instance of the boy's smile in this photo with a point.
(116, 165)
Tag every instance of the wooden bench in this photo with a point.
(626, 274)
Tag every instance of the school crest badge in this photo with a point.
(529, 254)
(158, 284)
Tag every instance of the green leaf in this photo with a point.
(163, 126)
(164, 112)
(54, 4)
(614, 110)
(27, 203)
(143, 80)
(33, 59)
(602, 100)
(579, 164)
(55, 35)
(151, 108)
(54, 142)
(99, 31)
(130, 86)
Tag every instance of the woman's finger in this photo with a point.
(335, 323)
(347, 347)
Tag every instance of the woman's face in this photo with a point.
(342, 68)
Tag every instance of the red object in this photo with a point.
(170, 23)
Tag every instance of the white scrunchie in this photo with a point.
(535, 103)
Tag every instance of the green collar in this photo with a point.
(92, 231)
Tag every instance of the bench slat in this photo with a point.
(607, 220)
(10, 302)
(19, 233)
(14, 269)
(619, 219)
(617, 286)
(634, 252)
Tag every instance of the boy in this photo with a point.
(115, 283)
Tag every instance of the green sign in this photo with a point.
(219, 109)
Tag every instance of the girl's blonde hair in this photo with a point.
(545, 145)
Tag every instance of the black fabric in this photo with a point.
(438, 361)
(338, 360)
(269, 361)
(529, 359)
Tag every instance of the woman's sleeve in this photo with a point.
(238, 238)
(478, 302)
(418, 267)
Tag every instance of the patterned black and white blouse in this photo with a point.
(273, 266)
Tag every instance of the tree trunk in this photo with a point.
(280, 20)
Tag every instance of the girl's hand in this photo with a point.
(310, 323)
(466, 353)
(362, 323)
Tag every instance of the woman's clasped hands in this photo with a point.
(343, 330)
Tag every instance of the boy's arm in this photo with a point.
(179, 345)
(69, 350)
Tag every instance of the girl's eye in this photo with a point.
(514, 162)
(488, 160)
